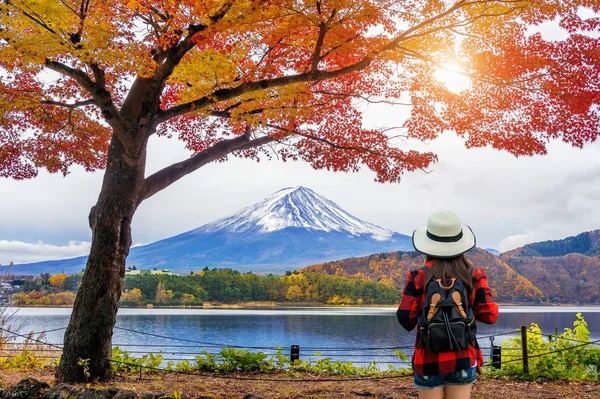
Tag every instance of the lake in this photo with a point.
(355, 334)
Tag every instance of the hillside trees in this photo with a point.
(57, 280)
(133, 296)
(72, 282)
(231, 286)
(392, 268)
(88, 83)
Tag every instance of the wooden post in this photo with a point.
(294, 353)
(524, 349)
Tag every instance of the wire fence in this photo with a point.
(182, 352)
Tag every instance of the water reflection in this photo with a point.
(312, 328)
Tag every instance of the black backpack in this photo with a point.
(447, 322)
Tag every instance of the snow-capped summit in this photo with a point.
(292, 228)
(296, 207)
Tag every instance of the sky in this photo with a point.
(507, 201)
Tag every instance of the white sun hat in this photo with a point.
(444, 236)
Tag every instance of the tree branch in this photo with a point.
(174, 55)
(323, 28)
(169, 175)
(331, 143)
(229, 93)
(143, 99)
(100, 95)
(317, 53)
(313, 75)
(98, 75)
(76, 74)
(75, 105)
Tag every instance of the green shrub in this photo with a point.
(124, 362)
(557, 357)
(243, 360)
(231, 360)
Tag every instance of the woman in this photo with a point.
(444, 241)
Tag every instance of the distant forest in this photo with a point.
(391, 268)
(541, 272)
(218, 285)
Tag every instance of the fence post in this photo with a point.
(496, 354)
(524, 349)
(294, 353)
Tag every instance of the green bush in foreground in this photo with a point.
(563, 356)
(230, 360)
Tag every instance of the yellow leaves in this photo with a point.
(295, 278)
(340, 300)
(204, 71)
(388, 281)
(133, 295)
(37, 29)
(108, 33)
(294, 293)
(188, 299)
(57, 280)
(146, 66)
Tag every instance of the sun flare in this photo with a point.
(453, 76)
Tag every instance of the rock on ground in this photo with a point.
(28, 388)
(31, 388)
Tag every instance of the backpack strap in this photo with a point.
(426, 270)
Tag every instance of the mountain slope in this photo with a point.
(392, 268)
(566, 270)
(569, 278)
(292, 228)
(587, 243)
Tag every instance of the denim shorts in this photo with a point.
(461, 377)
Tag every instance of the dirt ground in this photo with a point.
(232, 386)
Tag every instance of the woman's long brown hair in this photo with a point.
(446, 268)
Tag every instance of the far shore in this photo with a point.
(288, 305)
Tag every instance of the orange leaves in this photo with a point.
(528, 91)
(299, 72)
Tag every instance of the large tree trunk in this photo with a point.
(89, 334)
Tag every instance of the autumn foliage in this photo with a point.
(392, 268)
(568, 278)
(90, 82)
(560, 271)
(57, 280)
(291, 71)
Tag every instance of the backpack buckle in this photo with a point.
(433, 307)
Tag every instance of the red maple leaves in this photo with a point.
(295, 74)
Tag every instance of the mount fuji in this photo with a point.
(292, 228)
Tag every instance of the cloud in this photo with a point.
(519, 240)
(25, 252)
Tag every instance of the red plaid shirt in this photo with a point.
(413, 297)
